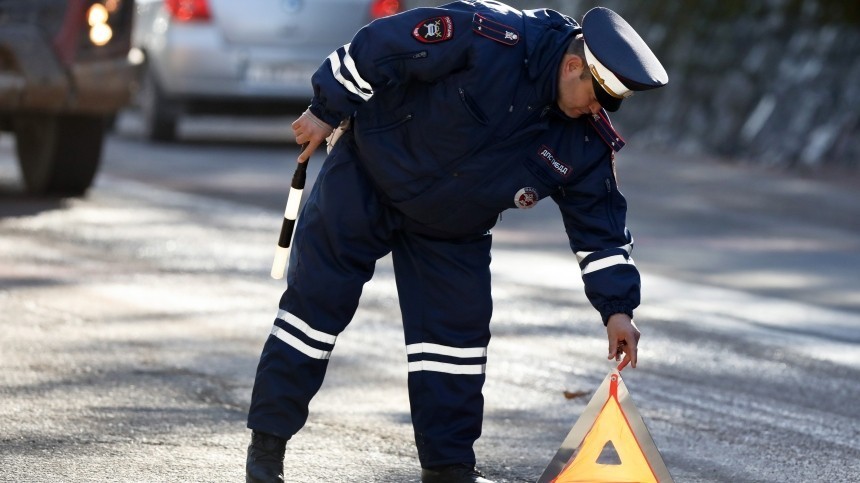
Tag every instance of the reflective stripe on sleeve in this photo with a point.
(581, 255)
(358, 90)
(353, 71)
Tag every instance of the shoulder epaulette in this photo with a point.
(491, 29)
(603, 126)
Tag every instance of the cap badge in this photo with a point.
(526, 198)
(435, 29)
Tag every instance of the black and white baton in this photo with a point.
(291, 213)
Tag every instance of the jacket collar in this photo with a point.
(547, 34)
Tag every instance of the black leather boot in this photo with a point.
(461, 473)
(265, 462)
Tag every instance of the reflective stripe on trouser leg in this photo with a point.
(339, 236)
(444, 290)
(290, 372)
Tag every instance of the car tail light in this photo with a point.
(188, 10)
(97, 18)
(94, 29)
(384, 8)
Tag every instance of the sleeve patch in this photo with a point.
(434, 29)
(494, 30)
(552, 160)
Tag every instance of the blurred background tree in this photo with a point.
(776, 82)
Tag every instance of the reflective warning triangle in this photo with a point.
(608, 443)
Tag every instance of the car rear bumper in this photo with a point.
(111, 93)
(39, 82)
(203, 65)
(179, 88)
(253, 106)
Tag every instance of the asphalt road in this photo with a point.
(132, 321)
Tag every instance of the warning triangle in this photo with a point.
(608, 443)
(609, 455)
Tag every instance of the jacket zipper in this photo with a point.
(408, 55)
(610, 212)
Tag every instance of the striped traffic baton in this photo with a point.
(291, 213)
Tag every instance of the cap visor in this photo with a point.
(606, 100)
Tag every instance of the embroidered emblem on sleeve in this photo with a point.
(494, 30)
(435, 29)
(526, 198)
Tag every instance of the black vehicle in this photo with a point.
(64, 74)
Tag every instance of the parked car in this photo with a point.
(64, 71)
(237, 57)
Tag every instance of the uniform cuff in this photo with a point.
(610, 309)
(319, 111)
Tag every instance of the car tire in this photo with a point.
(159, 118)
(59, 155)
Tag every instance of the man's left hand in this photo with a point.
(310, 132)
(623, 339)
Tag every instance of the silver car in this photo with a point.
(237, 56)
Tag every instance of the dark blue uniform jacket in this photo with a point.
(455, 120)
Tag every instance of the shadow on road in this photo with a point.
(14, 202)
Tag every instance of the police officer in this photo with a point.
(457, 113)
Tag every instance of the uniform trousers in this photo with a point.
(443, 285)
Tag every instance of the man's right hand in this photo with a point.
(623, 339)
(312, 131)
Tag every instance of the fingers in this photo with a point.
(617, 347)
(613, 348)
(310, 133)
(623, 339)
(631, 352)
(308, 141)
(308, 150)
(303, 131)
(620, 346)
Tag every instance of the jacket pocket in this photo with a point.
(394, 67)
(472, 108)
(390, 125)
(420, 54)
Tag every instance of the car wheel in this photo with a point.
(159, 118)
(58, 154)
